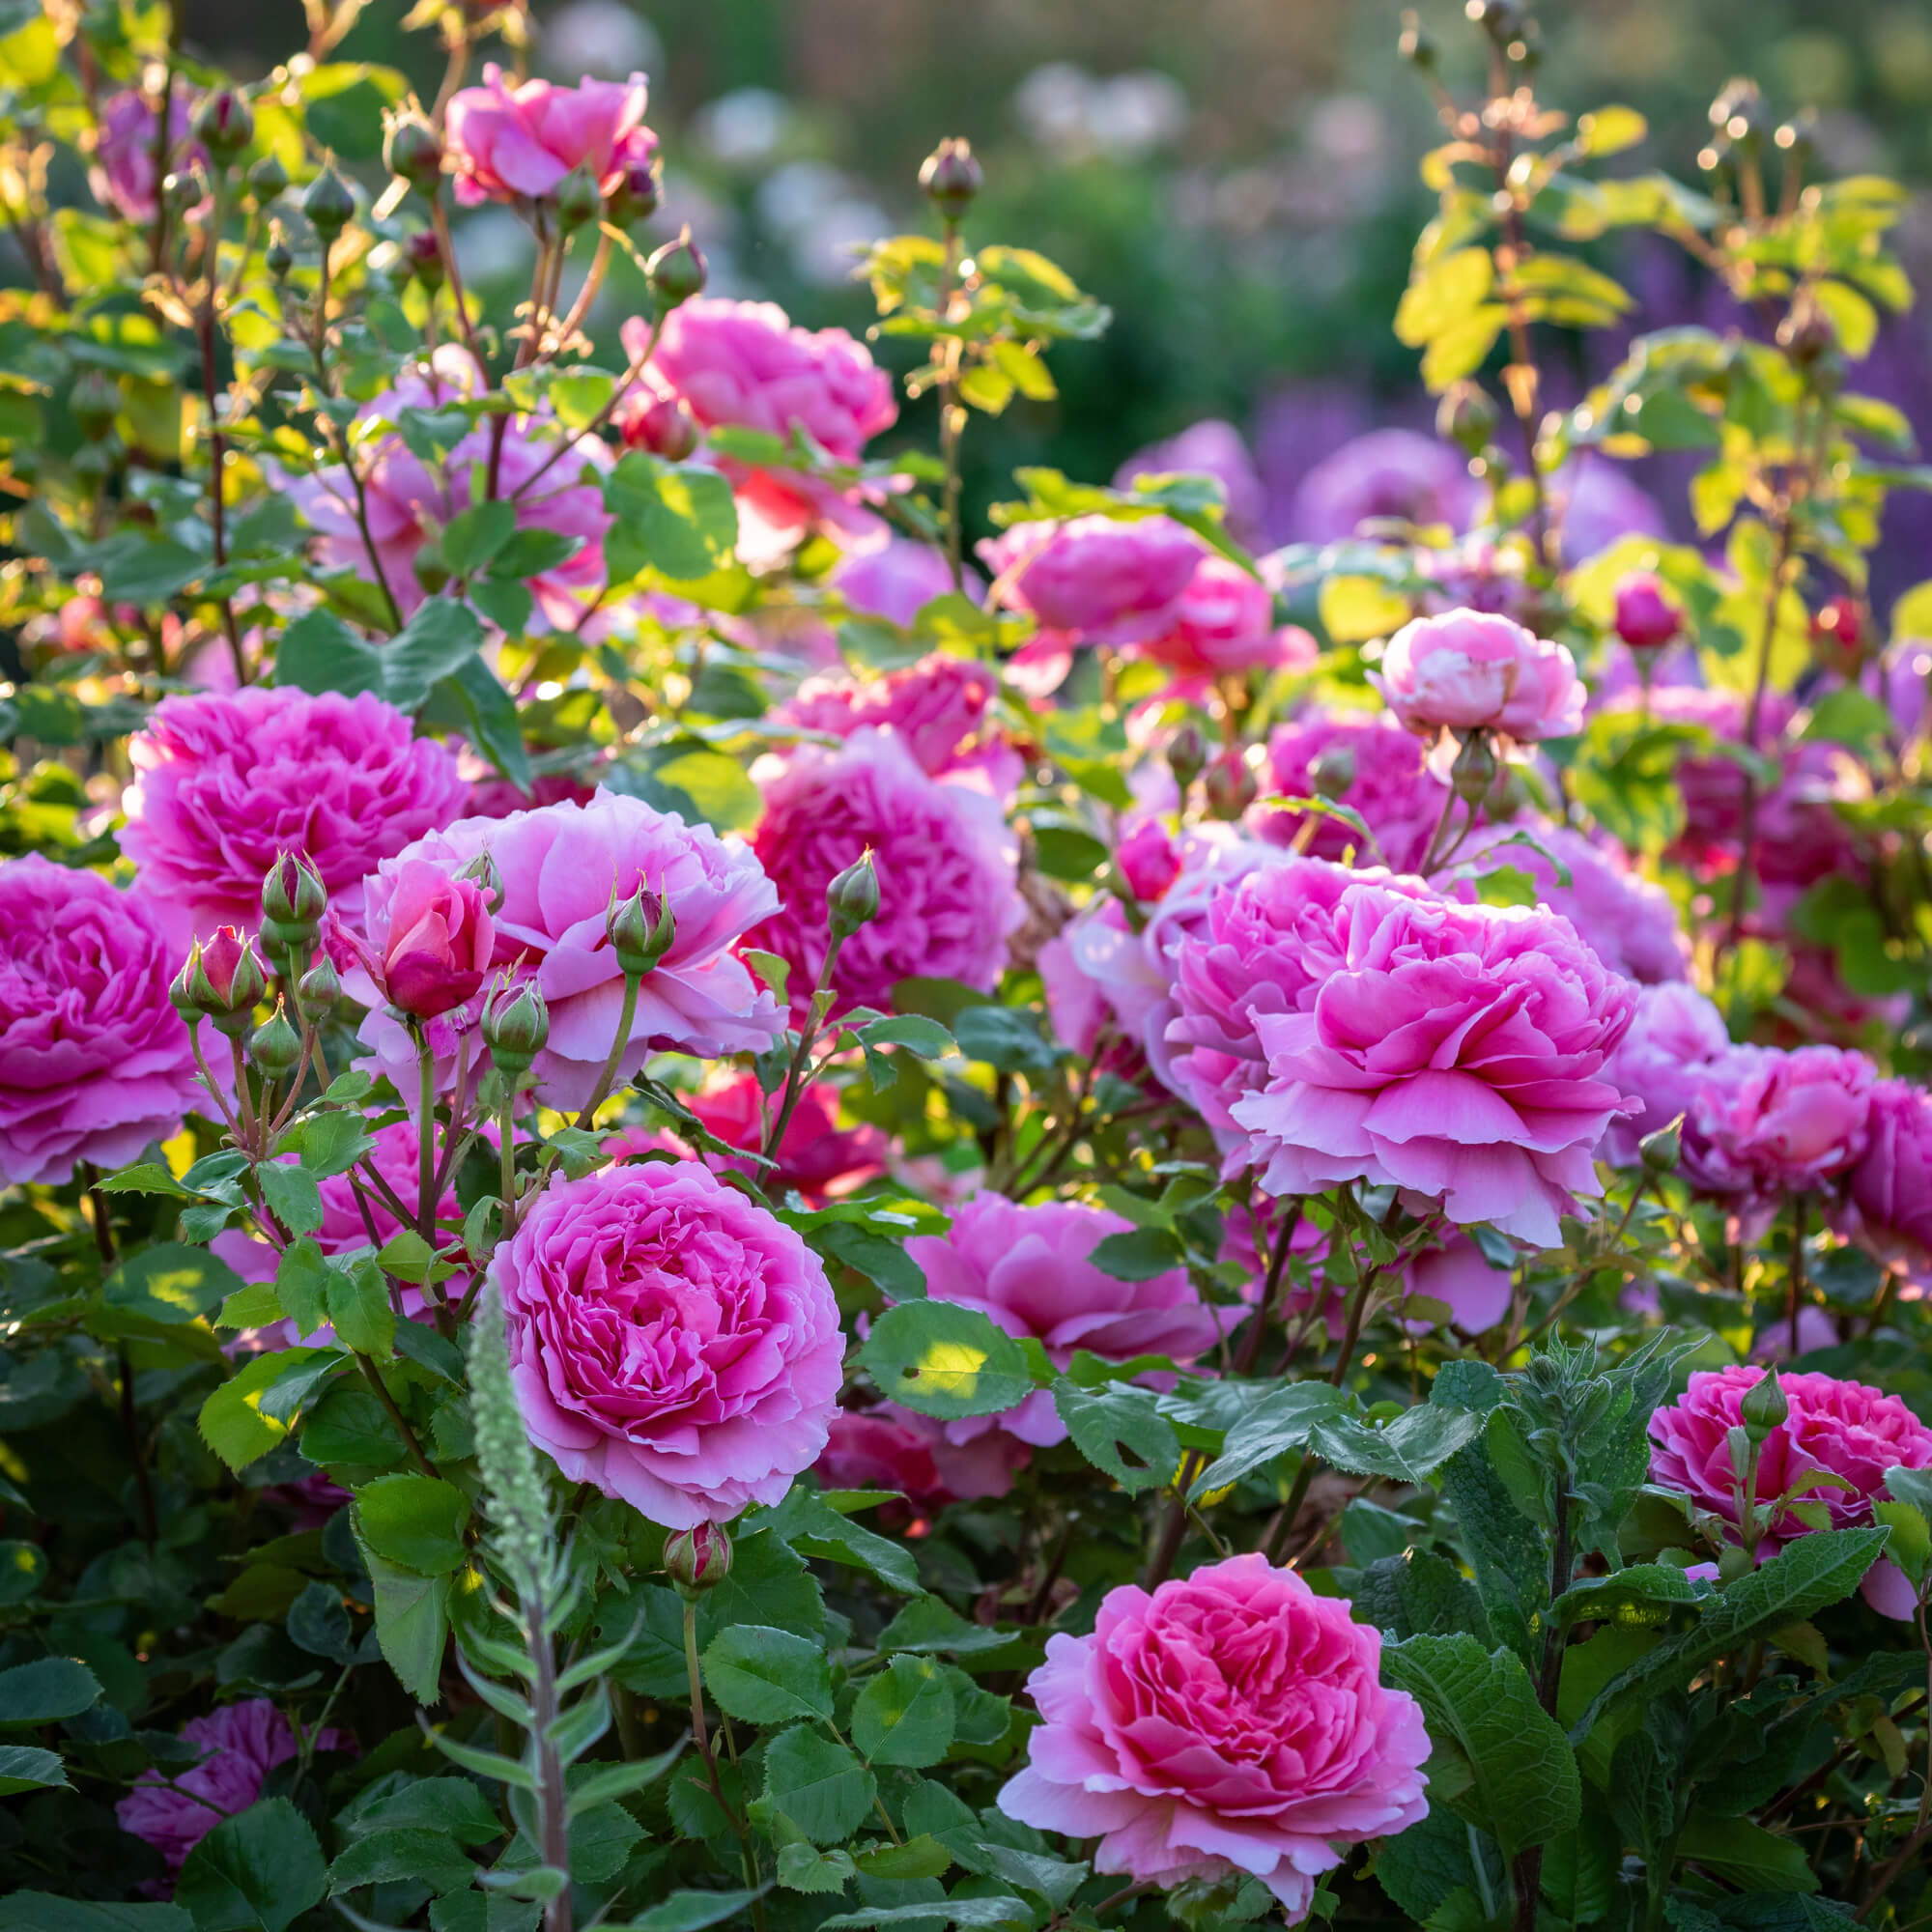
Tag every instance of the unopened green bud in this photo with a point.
(225, 124)
(641, 931)
(294, 899)
(635, 196)
(1473, 775)
(267, 179)
(1332, 772)
(185, 190)
(676, 272)
(1187, 755)
(852, 898)
(319, 988)
(578, 198)
(951, 177)
(96, 401)
(516, 1024)
(1229, 786)
(1661, 1149)
(278, 258)
(1467, 417)
(223, 980)
(423, 253)
(413, 151)
(329, 204)
(276, 1049)
(1764, 1407)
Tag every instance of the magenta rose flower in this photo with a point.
(1225, 623)
(95, 1062)
(1676, 1035)
(1370, 765)
(123, 174)
(897, 579)
(671, 1341)
(1839, 1427)
(1890, 1190)
(1094, 580)
(1031, 1271)
(940, 708)
(1645, 618)
(1147, 856)
(224, 784)
(517, 142)
(439, 943)
(948, 896)
(1457, 1052)
(242, 1744)
(562, 867)
(1474, 670)
(1231, 1722)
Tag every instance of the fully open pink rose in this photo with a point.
(1456, 1052)
(671, 1341)
(95, 1062)
(897, 579)
(224, 785)
(940, 708)
(1095, 579)
(241, 1743)
(1469, 670)
(1225, 623)
(1395, 474)
(1675, 1036)
(562, 867)
(516, 142)
(1209, 449)
(1370, 765)
(1231, 1722)
(1843, 1429)
(944, 856)
(1891, 1189)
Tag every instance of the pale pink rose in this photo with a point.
(671, 1341)
(1842, 1428)
(1472, 670)
(1890, 1190)
(1031, 1271)
(945, 860)
(224, 785)
(1457, 1052)
(1231, 1722)
(1815, 1331)
(1388, 782)
(562, 867)
(1224, 625)
(897, 579)
(123, 174)
(95, 1062)
(1675, 1036)
(1095, 579)
(1461, 1277)
(241, 1743)
(1207, 448)
(1595, 503)
(516, 142)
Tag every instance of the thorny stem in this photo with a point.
(1794, 1286)
(625, 383)
(217, 443)
(1175, 1527)
(130, 1426)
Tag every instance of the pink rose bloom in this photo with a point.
(494, 796)
(1628, 920)
(1767, 1122)
(1595, 505)
(1646, 618)
(1386, 475)
(1390, 785)
(224, 784)
(1457, 1052)
(940, 708)
(1815, 1331)
(1231, 1722)
(1094, 580)
(948, 898)
(1209, 449)
(1890, 1190)
(440, 942)
(562, 868)
(95, 1062)
(888, 1447)
(1676, 1035)
(1147, 856)
(123, 174)
(746, 365)
(1030, 1272)
(1461, 1276)
(1225, 624)
(671, 1341)
(241, 1743)
(1843, 1429)
(1473, 670)
(516, 143)
(897, 579)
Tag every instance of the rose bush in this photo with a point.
(753, 1182)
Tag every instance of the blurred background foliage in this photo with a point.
(1234, 177)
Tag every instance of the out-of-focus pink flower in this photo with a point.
(224, 785)
(1385, 475)
(1232, 1722)
(1839, 1428)
(1675, 1034)
(1461, 1276)
(1029, 1270)
(1815, 1331)
(242, 1745)
(1646, 620)
(1457, 1052)
(562, 867)
(1471, 670)
(517, 142)
(1147, 855)
(1767, 1121)
(1595, 504)
(1225, 623)
(1381, 771)
(1207, 448)
(1890, 1190)
(95, 1062)
(494, 796)
(123, 174)
(671, 1341)
(944, 861)
(887, 1447)
(897, 579)
(1094, 580)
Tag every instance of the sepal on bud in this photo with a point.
(223, 982)
(700, 1559)
(641, 929)
(676, 272)
(852, 898)
(515, 1024)
(1764, 1408)
(951, 177)
(294, 899)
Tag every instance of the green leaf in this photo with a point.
(690, 1911)
(1418, 1441)
(411, 1623)
(28, 1768)
(1138, 1254)
(417, 1852)
(1006, 1038)
(944, 1360)
(1282, 1420)
(488, 715)
(170, 1283)
(473, 537)
(43, 1912)
(921, 1857)
(1643, 1596)
(414, 1521)
(905, 1713)
(1482, 1711)
(1120, 1429)
(291, 1193)
(976, 1914)
(1746, 1855)
(254, 1410)
(815, 1528)
(46, 1689)
(437, 643)
(930, 1623)
(359, 1308)
(261, 1868)
(819, 1785)
(671, 518)
(319, 652)
(768, 1676)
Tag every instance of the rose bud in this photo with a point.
(852, 898)
(951, 177)
(225, 124)
(676, 272)
(424, 255)
(578, 198)
(666, 427)
(294, 899)
(635, 195)
(1186, 755)
(412, 151)
(516, 1024)
(225, 980)
(329, 204)
(278, 258)
(1839, 635)
(1646, 620)
(1764, 1408)
(1229, 786)
(276, 1049)
(641, 931)
(699, 1559)
(319, 988)
(439, 943)
(267, 179)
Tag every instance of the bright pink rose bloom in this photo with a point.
(940, 708)
(1461, 1276)
(671, 1341)
(1388, 782)
(1095, 579)
(1676, 1035)
(1471, 670)
(441, 940)
(1231, 1722)
(123, 174)
(1843, 1429)
(1646, 620)
(1456, 1052)
(897, 579)
(1029, 1270)
(562, 867)
(1628, 920)
(888, 1447)
(241, 1743)
(225, 784)
(944, 861)
(1891, 1189)
(494, 796)
(1225, 623)
(516, 143)
(1209, 449)
(1767, 1122)
(95, 1062)
(1147, 856)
